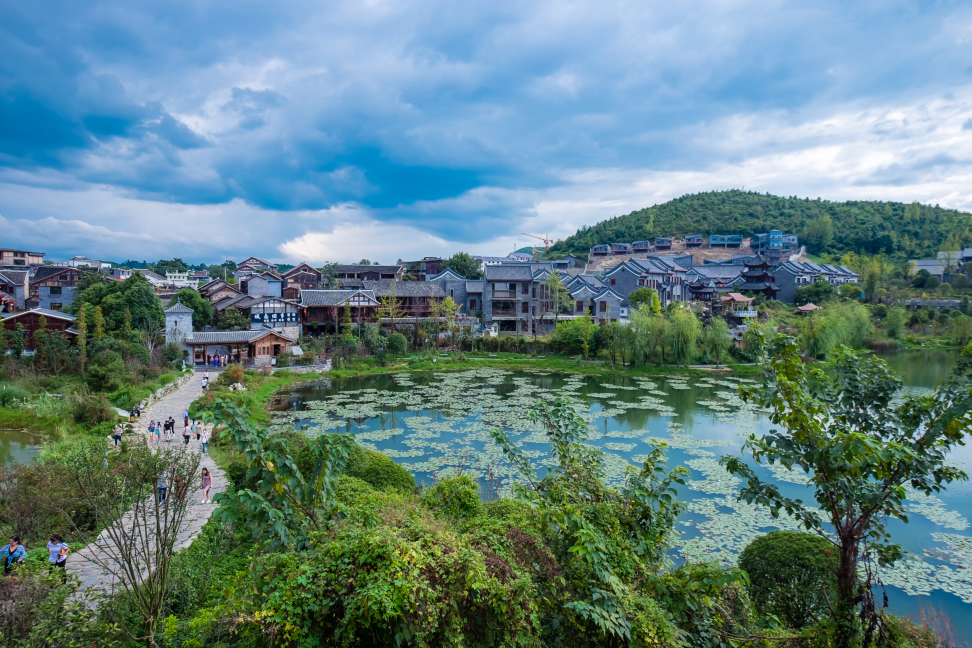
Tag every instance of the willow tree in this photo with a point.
(682, 336)
(860, 448)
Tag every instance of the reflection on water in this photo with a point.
(431, 423)
(18, 447)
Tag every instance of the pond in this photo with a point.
(435, 424)
(17, 446)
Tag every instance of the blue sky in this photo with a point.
(396, 129)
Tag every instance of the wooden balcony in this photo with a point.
(504, 294)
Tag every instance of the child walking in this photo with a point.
(207, 483)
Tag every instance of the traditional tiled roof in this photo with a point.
(383, 287)
(46, 272)
(61, 315)
(178, 307)
(16, 277)
(302, 267)
(357, 268)
(475, 287)
(232, 337)
(509, 272)
(332, 297)
(445, 274)
(232, 301)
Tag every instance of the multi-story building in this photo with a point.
(181, 279)
(793, 275)
(663, 243)
(771, 245)
(370, 272)
(84, 262)
(10, 258)
(15, 284)
(725, 241)
(693, 241)
(426, 267)
(55, 286)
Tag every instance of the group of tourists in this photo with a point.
(180, 488)
(14, 553)
(164, 431)
(220, 359)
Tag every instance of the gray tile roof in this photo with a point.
(46, 313)
(44, 272)
(356, 268)
(383, 288)
(509, 272)
(16, 277)
(330, 297)
(231, 337)
(475, 287)
(179, 307)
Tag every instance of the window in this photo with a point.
(19, 262)
(56, 307)
(614, 282)
(55, 290)
(602, 307)
(524, 307)
(525, 290)
(580, 306)
(641, 282)
(472, 304)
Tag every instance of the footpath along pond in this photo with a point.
(434, 423)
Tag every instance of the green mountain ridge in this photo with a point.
(900, 230)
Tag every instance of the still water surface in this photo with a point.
(434, 423)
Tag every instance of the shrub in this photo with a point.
(397, 344)
(350, 489)
(9, 393)
(457, 497)
(791, 575)
(93, 410)
(233, 374)
(236, 473)
(378, 470)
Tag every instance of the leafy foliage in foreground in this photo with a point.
(860, 449)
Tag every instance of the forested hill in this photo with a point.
(898, 229)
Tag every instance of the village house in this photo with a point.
(31, 322)
(370, 272)
(218, 289)
(180, 280)
(757, 278)
(10, 258)
(55, 286)
(301, 277)
(265, 284)
(427, 266)
(15, 285)
(257, 346)
(85, 262)
(157, 281)
(322, 311)
(793, 275)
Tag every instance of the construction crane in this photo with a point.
(546, 240)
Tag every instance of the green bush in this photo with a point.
(507, 509)
(379, 470)
(106, 376)
(93, 409)
(457, 497)
(791, 575)
(350, 489)
(10, 393)
(397, 343)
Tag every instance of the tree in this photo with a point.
(717, 340)
(586, 329)
(557, 294)
(573, 502)
(17, 340)
(82, 342)
(819, 234)
(329, 276)
(391, 308)
(39, 342)
(791, 575)
(921, 277)
(950, 255)
(346, 323)
(56, 351)
(450, 311)
(173, 266)
(286, 504)
(859, 448)
(138, 533)
(232, 319)
(681, 336)
(932, 282)
(364, 262)
(135, 295)
(646, 297)
(464, 265)
(961, 282)
(818, 292)
(99, 324)
(895, 321)
(202, 308)
(126, 330)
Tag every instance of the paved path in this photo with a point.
(87, 562)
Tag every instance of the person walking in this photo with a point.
(117, 434)
(12, 553)
(197, 429)
(158, 432)
(58, 551)
(207, 484)
(203, 437)
(163, 486)
(185, 416)
(186, 434)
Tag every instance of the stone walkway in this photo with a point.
(87, 563)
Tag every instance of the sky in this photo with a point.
(397, 129)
